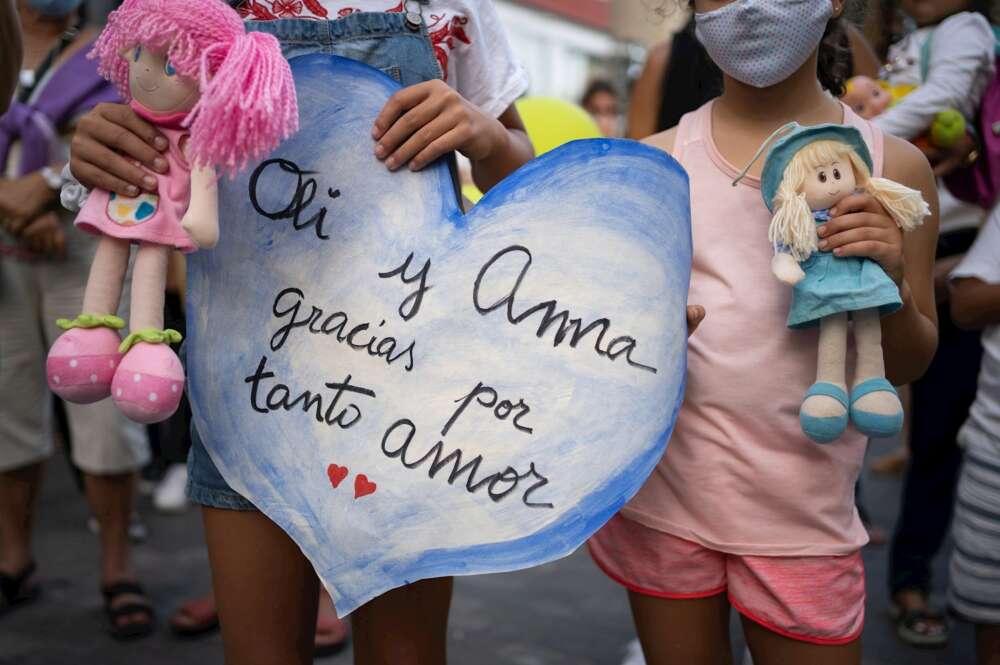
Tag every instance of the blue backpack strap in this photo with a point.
(925, 57)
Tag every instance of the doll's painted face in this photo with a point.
(866, 97)
(828, 183)
(154, 83)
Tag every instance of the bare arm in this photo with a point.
(974, 303)
(11, 52)
(511, 150)
(910, 335)
(647, 95)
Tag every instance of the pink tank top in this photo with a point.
(738, 475)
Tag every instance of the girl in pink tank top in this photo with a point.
(744, 510)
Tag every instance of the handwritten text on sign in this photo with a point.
(411, 392)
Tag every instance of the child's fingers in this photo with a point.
(442, 145)
(855, 220)
(95, 177)
(695, 315)
(857, 202)
(412, 124)
(117, 126)
(861, 234)
(397, 105)
(872, 249)
(96, 165)
(422, 138)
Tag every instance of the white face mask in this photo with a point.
(763, 42)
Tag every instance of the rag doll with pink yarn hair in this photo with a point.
(221, 97)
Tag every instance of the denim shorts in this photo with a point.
(383, 41)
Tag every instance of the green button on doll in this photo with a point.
(808, 170)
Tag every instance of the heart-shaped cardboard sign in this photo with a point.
(410, 392)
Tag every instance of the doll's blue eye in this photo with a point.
(138, 52)
(169, 69)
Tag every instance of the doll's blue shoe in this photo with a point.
(824, 429)
(875, 425)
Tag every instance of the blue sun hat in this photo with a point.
(792, 138)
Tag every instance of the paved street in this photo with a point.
(565, 613)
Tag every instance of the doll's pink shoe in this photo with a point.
(82, 362)
(150, 379)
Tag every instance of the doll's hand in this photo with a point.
(104, 140)
(860, 226)
(695, 315)
(203, 234)
(424, 121)
(787, 269)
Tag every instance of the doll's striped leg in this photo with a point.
(150, 380)
(824, 410)
(83, 360)
(875, 407)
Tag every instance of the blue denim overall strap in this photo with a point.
(388, 42)
(385, 41)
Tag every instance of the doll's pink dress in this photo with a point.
(151, 218)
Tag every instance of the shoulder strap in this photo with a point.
(925, 56)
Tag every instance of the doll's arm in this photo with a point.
(201, 221)
(785, 267)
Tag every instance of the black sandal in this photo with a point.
(921, 628)
(15, 589)
(133, 629)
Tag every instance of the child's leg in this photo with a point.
(405, 626)
(988, 644)
(871, 364)
(107, 276)
(265, 589)
(149, 284)
(830, 367)
(682, 632)
(769, 648)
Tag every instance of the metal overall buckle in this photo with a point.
(414, 18)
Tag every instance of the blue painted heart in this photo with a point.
(509, 376)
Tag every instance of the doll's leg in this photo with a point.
(875, 406)
(824, 410)
(82, 361)
(150, 380)
(107, 274)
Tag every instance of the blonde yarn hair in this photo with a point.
(793, 225)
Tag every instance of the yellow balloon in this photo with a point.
(550, 123)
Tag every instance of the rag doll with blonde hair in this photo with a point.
(221, 97)
(807, 171)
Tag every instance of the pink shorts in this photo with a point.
(817, 599)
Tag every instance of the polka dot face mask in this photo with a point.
(763, 42)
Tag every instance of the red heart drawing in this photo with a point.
(363, 486)
(336, 474)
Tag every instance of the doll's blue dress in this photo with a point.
(835, 284)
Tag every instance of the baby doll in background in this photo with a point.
(870, 98)
(221, 97)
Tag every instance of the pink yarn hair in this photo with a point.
(247, 104)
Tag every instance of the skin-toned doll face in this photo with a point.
(929, 12)
(154, 83)
(867, 97)
(828, 183)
